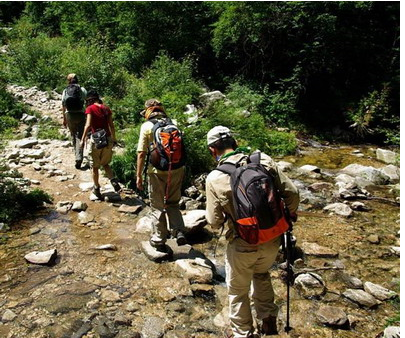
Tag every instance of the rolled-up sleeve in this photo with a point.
(214, 215)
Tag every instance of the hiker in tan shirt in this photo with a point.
(245, 263)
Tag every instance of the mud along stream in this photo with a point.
(121, 293)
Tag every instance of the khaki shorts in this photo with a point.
(103, 156)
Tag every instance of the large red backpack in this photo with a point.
(167, 151)
(258, 205)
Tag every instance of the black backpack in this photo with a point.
(258, 204)
(168, 147)
(74, 98)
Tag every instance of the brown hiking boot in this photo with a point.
(269, 325)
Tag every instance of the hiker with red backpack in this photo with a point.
(161, 149)
(247, 193)
(73, 98)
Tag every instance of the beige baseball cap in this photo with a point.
(218, 133)
(151, 103)
(71, 76)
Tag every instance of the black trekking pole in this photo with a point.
(288, 253)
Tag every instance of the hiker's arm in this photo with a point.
(139, 168)
(86, 130)
(215, 216)
(64, 110)
(112, 128)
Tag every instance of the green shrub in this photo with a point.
(50, 130)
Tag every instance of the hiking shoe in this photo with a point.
(269, 326)
(96, 192)
(78, 164)
(181, 239)
(115, 184)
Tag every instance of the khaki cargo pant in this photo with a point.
(245, 264)
(76, 122)
(157, 190)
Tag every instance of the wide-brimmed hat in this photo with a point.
(218, 133)
(151, 103)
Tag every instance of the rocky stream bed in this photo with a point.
(102, 282)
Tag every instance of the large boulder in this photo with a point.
(370, 174)
(194, 220)
(386, 156)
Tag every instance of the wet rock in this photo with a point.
(153, 327)
(106, 247)
(154, 255)
(320, 186)
(361, 298)
(86, 327)
(368, 173)
(145, 224)
(79, 206)
(314, 249)
(26, 143)
(196, 270)
(392, 171)
(8, 316)
(379, 291)
(332, 316)
(130, 209)
(386, 156)
(194, 220)
(340, 209)
(44, 257)
(392, 332)
(85, 217)
(373, 239)
(359, 206)
(310, 169)
(192, 192)
(310, 285)
(285, 166)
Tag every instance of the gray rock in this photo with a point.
(221, 320)
(211, 97)
(194, 220)
(85, 217)
(396, 250)
(44, 257)
(392, 332)
(36, 154)
(8, 316)
(36, 166)
(332, 316)
(104, 328)
(64, 203)
(192, 114)
(145, 224)
(345, 179)
(111, 196)
(154, 327)
(285, 166)
(392, 171)
(26, 143)
(320, 186)
(106, 247)
(373, 239)
(13, 155)
(86, 186)
(359, 206)
(86, 327)
(308, 168)
(310, 285)
(340, 209)
(109, 295)
(386, 156)
(154, 255)
(361, 298)
(63, 210)
(379, 291)
(192, 192)
(370, 174)
(193, 205)
(314, 249)
(196, 270)
(79, 206)
(130, 209)
(350, 281)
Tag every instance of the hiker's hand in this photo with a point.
(139, 183)
(82, 143)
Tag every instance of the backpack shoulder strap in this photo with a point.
(226, 168)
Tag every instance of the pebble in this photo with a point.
(373, 239)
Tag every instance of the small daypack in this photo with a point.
(167, 150)
(74, 100)
(258, 204)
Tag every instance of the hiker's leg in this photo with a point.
(263, 294)
(108, 171)
(173, 210)
(76, 122)
(96, 177)
(156, 194)
(239, 263)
